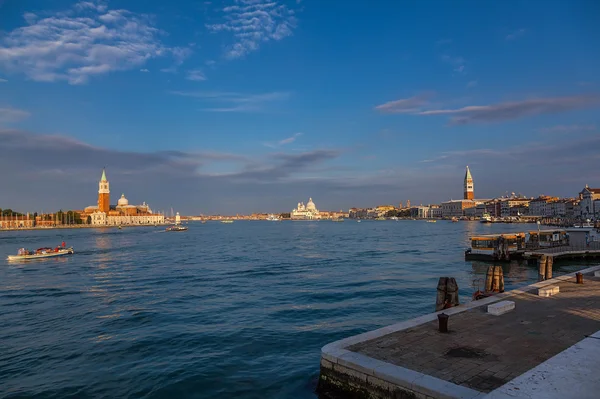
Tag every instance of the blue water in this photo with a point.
(222, 310)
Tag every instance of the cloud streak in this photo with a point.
(514, 110)
(235, 102)
(10, 115)
(252, 23)
(568, 129)
(85, 41)
(516, 34)
(288, 140)
(405, 105)
(196, 75)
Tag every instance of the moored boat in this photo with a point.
(273, 218)
(226, 221)
(486, 218)
(24, 254)
(176, 228)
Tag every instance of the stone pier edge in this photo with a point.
(381, 374)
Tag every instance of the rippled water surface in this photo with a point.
(222, 310)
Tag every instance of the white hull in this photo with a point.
(62, 252)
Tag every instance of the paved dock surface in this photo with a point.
(482, 351)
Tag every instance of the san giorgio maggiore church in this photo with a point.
(305, 212)
(122, 214)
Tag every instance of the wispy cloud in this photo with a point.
(235, 102)
(9, 115)
(568, 129)
(85, 41)
(253, 22)
(472, 83)
(3, 80)
(288, 140)
(514, 110)
(144, 70)
(457, 62)
(516, 34)
(405, 105)
(195, 75)
(443, 42)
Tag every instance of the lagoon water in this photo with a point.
(222, 310)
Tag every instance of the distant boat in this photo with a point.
(486, 218)
(431, 221)
(337, 220)
(358, 221)
(226, 221)
(454, 219)
(176, 228)
(119, 227)
(273, 218)
(24, 254)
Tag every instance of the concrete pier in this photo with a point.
(481, 354)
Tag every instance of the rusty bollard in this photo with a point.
(579, 278)
(443, 322)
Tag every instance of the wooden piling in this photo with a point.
(494, 280)
(452, 292)
(441, 294)
(549, 263)
(447, 294)
(542, 268)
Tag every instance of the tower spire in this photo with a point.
(468, 186)
(103, 178)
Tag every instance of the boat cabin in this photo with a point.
(496, 246)
(547, 238)
(582, 237)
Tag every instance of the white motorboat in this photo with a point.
(273, 218)
(24, 254)
(486, 218)
(176, 227)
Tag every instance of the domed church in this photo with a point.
(122, 214)
(306, 212)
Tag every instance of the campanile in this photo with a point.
(103, 194)
(469, 193)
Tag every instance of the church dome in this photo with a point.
(123, 201)
(311, 205)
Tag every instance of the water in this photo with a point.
(222, 310)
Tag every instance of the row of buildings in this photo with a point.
(586, 205)
(101, 214)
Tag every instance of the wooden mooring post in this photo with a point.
(494, 280)
(447, 294)
(545, 264)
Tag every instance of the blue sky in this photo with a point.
(254, 105)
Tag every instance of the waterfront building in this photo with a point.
(589, 202)
(426, 212)
(122, 214)
(507, 204)
(469, 194)
(541, 206)
(456, 208)
(16, 222)
(305, 212)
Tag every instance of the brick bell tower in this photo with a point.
(103, 194)
(469, 193)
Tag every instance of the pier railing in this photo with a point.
(566, 249)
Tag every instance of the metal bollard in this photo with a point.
(579, 278)
(443, 322)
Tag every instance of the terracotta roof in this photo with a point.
(594, 190)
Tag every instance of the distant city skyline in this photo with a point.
(184, 108)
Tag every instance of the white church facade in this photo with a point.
(305, 212)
